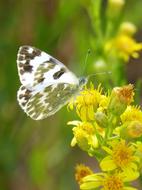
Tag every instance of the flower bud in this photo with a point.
(127, 28)
(120, 98)
(131, 130)
(114, 7)
(135, 129)
(101, 119)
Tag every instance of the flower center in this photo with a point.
(82, 171)
(88, 128)
(113, 183)
(122, 155)
(126, 93)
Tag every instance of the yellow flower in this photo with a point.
(103, 104)
(129, 130)
(131, 114)
(134, 129)
(88, 102)
(131, 123)
(121, 156)
(125, 93)
(124, 46)
(81, 172)
(114, 181)
(120, 98)
(84, 135)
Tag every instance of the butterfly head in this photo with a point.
(82, 81)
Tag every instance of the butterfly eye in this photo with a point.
(82, 81)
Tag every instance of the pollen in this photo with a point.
(126, 93)
(81, 172)
(87, 102)
(84, 130)
(113, 183)
(122, 154)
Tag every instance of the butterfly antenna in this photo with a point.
(86, 58)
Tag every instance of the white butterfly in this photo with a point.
(47, 85)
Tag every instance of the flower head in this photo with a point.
(131, 122)
(127, 28)
(105, 181)
(84, 135)
(130, 130)
(120, 98)
(81, 172)
(114, 7)
(131, 114)
(113, 182)
(125, 93)
(121, 156)
(87, 103)
(124, 46)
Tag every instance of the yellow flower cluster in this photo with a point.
(107, 181)
(88, 102)
(119, 168)
(84, 136)
(123, 44)
(108, 129)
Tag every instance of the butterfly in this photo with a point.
(47, 84)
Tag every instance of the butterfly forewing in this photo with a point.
(28, 60)
(47, 84)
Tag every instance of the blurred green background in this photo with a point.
(36, 155)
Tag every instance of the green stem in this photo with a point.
(96, 17)
(109, 129)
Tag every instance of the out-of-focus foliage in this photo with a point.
(36, 155)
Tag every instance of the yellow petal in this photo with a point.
(73, 142)
(76, 123)
(136, 158)
(130, 175)
(133, 166)
(90, 185)
(93, 177)
(83, 114)
(91, 113)
(107, 164)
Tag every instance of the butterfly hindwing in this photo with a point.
(23, 96)
(46, 102)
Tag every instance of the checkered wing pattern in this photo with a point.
(47, 84)
(46, 102)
